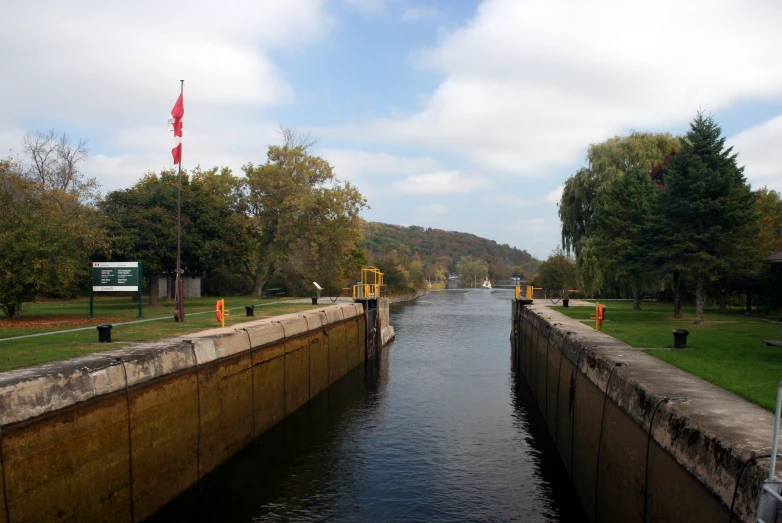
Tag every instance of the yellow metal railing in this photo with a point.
(371, 284)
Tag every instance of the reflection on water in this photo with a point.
(435, 429)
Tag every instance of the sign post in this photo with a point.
(114, 277)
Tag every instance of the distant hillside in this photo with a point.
(445, 248)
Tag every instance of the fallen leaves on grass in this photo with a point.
(57, 322)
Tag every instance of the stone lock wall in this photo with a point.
(641, 440)
(116, 435)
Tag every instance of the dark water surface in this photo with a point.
(436, 429)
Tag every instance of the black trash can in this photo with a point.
(565, 302)
(314, 300)
(680, 338)
(104, 333)
(250, 310)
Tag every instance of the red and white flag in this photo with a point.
(175, 126)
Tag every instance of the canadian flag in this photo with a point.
(175, 126)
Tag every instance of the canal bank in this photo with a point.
(641, 439)
(116, 435)
(435, 428)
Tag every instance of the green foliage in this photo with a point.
(472, 269)
(706, 212)
(557, 273)
(607, 162)
(439, 250)
(47, 227)
(298, 208)
(622, 229)
(763, 280)
(586, 193)
(400, 275)
(142, 223)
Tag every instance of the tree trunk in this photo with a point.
(154, 289)
(14, 310)
(723, 297)
(677, 300)
(258, 282)
(260, 278)
(699, 299)
(636, 294)
(749, 302)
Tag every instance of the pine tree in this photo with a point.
(707, 206)
(622, 229)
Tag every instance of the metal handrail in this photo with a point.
(770, 499)
(775, 443)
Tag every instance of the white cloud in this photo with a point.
(556, 195)
(434, 208)
(760, 153)
(351, 164)
(528, 85)
(369, 7)
(112, 71)
(130, 59)
(414, 14)
(506, 200)
(442, 182)
(535, 225)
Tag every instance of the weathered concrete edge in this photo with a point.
(33, 391)
(711, 434)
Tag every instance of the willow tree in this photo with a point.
(584, 196)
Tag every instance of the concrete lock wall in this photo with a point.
(115, 435)
(635, 448)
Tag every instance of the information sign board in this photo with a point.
(115, 276)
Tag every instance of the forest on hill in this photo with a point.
(440, 251)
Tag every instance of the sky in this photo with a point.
(461, 115)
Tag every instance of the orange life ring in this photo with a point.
(219, 310)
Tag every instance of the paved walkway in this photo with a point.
(571, 303)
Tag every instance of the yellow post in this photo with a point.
(222, 308)
(518, 291)
(597, 318)
(529, 292)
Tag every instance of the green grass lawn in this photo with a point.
(61, 315)
(726, 350)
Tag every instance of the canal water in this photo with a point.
(437, 428)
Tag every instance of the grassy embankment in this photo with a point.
(61, 315)
(726, 350)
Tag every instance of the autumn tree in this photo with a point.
(48, 224)
(330, 251)
(470, 268)
(294, 199)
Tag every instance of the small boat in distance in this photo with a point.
(486, 284)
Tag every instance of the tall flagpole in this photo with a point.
(179, 291)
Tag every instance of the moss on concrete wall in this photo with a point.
(598, 396)
(116, 435)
